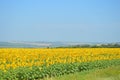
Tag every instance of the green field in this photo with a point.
(110, 73)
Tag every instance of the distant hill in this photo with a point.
(30, 44)
(38, 44)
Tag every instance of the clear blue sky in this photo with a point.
(60, 20)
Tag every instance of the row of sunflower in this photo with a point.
(11, 58)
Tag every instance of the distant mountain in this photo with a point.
(26, 44)
(36, 44)
(23, 44)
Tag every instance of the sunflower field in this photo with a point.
(38, 63)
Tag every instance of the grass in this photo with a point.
(111, 73)
(96, 70)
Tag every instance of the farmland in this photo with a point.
(39, 63)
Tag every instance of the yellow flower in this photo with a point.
(19, 57)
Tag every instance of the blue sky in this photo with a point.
(60, 20)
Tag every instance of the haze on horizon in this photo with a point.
(60, 20)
